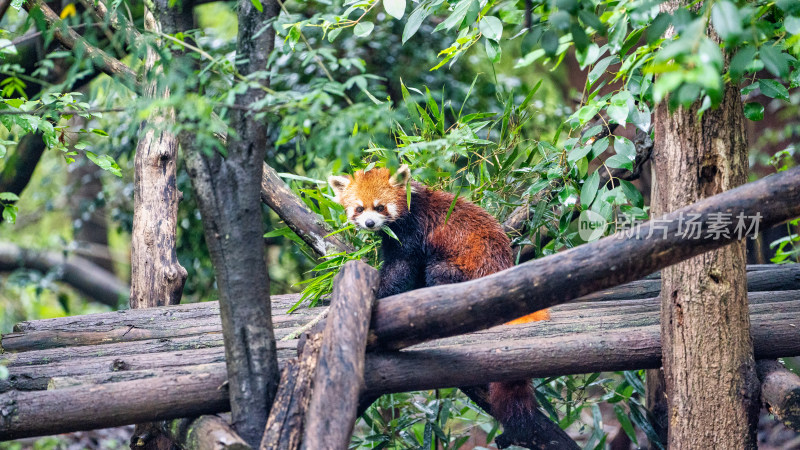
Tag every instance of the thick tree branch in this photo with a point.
(291, 209)
(87, 278)
(474, 305)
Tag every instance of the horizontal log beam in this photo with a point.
(424, 314)
(190, 319)
(33, 370)
(36, 413)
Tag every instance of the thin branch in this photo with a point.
(72, 40)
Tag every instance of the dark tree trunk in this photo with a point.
(711, 384)
(228, 194)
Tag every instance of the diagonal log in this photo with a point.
(290, 208)
(339, 375)
(417, 316)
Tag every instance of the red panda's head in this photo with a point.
(373, 198)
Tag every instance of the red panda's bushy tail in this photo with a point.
(512, 404)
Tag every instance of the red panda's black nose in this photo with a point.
(369, 223)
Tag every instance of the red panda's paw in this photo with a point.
(534, 317)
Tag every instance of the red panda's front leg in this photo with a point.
(396, 276)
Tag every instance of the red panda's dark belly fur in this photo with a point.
(470, 244)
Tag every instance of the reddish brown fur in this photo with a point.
(471, 240)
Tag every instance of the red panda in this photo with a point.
(430, 251)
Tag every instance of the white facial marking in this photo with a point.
(360, 203)
(376, 202)
(350, 211)
(392, 208)
(370, 220)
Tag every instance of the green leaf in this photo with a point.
(550, 42)
(618, 36)
(105, 162)
(619, 162)
(491, 27)
(740, 61)
(10, 214)
(590, 19)
(395, 8)
(634, 196)
(792, 24)
(8, 197)
(578, 152)
(414, 21)
(363, 29)
(754, 111)
(492, 50)
(600, 68)
(626, 424)
(774, 60)
(657, 27)
(589, 189)
(726, 20)
(623, 146)
(457, 16)
(257, 5)
(99, 132)
(773, 89)
(618, 110)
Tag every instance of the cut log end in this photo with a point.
(780, 392)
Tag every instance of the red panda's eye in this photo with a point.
(359, 209)
(379, 208)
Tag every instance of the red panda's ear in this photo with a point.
(338, 184)
(401, 177)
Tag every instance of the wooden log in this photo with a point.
(36, 413)
(780, 392)
(36, 377)
(94, 379)
(142, 318)
(339, 376)
(39, 413)
(284, 429)
(181, 319)
(34, 372)
(73, 333)
(203, 433)
(424, 314)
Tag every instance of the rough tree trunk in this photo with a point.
(157, 278)
(228, 194)
(711, 383)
